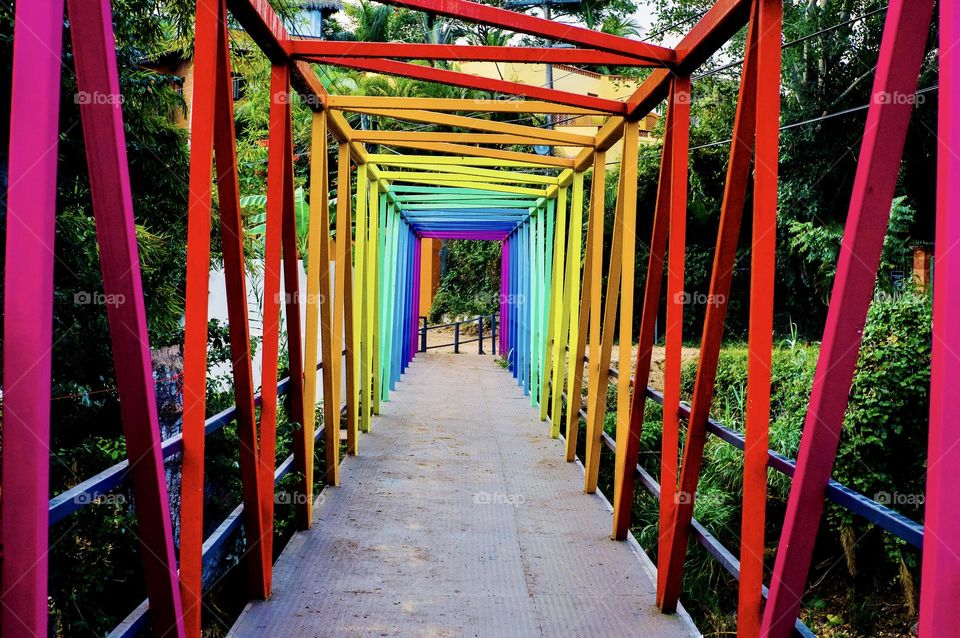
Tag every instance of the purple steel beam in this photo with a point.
(504, 291)
(415, 306)
(939, 615)
(28, 314)
(479, 235)
(94, 47)
(901, 54)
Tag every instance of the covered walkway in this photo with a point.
(460, 517)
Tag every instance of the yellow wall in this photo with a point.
(573, 80)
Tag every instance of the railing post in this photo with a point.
(456, 338)
(493, 335)
(480, 334)
(423, 335)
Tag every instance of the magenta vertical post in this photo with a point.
(415, 306)
(91, 29)
(939, 614)
(28, 314)
(504, 292)
(898, 67)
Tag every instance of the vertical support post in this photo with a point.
(423, 334)
(623, 500)
(493, 335)
(628, 208)
(234, 270)
(370, 306)
(28, 314)
(456, 338)
(315, 264)
(344, 284)
(941, 566)
(320, 206)
(901, 54)
(276, 192)
(480, 334)
(597, 392)
(588, 302)
(94, 48)
(360, 310)
(195, 314)
(291, 282)
(760, 343)
(555, 237)
(566, 340)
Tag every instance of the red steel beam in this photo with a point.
(456, 78)
(94, 46)
(898, 67)
(28, 314)
(234, 270)
(195, 312)
(266, 29)
(532, 25)
(309, 49)
(291, 281)
(706, 37)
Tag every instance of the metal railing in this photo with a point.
(887, 519)
(457, 342)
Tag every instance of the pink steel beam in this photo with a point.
(308, 49)
(522, 23)
(941, 565)
(456, 78)
(901, 54)
(479, 235)
(28, 314)
(94, 49)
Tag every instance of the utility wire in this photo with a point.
(795, 42)
(814, 120)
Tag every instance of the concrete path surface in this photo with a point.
(459, 517)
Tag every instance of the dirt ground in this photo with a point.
(441, 336)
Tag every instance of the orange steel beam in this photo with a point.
(352, 102)
(480, 124)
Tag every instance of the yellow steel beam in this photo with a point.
(450, 172)
(480, 151)
(507, 178)
(392, 159)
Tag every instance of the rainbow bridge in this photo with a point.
(468, 502)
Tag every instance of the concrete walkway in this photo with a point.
(459, 518)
